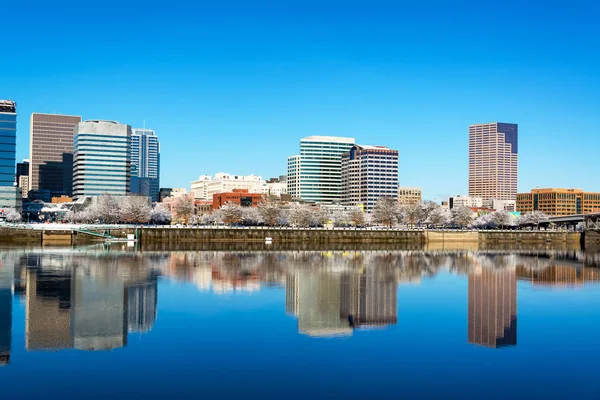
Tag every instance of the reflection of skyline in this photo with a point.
(332, 304)
(492, 309)
(86, 303)
(94, 300)
(6, 280)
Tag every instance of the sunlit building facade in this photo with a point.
(493, 160)
(557, 202)
(316, 173)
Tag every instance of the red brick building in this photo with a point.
(237, 196)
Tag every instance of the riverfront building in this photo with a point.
(367, 173)
(465, 201)
(493, 161)
(315, 174)
(145, 163)
(51, 153)
(409, 195)
(206, 187)
(10, 195)
(101, 159)
(240, 197)
(557, 202)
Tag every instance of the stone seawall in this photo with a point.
(449, 238)
(592, 239)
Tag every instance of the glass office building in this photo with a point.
(101, 159)
(8, 138)
(145, 163)
(315, 175)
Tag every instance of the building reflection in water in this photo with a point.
(86, 303)
(333, 304)
(493, 307)
(6, 282)
(93, 300)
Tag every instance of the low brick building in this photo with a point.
(238, 196)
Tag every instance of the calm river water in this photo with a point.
(105, 323)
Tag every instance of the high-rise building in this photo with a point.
(493, 307)
(409, 195)
(493, 161)
(145, 163)
(102, 160)
(10, 195)
(557, 202)
(51, 153)
(23, 177)
(8, 137)
(367, 173)
(316, 173)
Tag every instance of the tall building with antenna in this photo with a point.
(145, 163)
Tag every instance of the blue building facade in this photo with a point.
(145, 163)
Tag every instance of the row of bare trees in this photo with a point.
(134, 209)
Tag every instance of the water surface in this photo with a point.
(101, 322)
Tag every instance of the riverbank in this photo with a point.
(146, 235)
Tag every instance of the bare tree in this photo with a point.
(270, 213)
(160, 215)
(300, 215)
(13, 216)
(251, 216)
(184, 208)
(135, 210)
(534, 218)
(108, 209)
(501, 218)
(462, 216)
(341, 218)
(357, 217)
(231, 213)
(439, 217)
(387, 211)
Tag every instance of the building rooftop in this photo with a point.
(8, 106)
(328, 139)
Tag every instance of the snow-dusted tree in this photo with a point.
(318, 217)
(300, 215)
(160, 215)
(484, 221)
(183, 208)
(13, 216)
(356, 216)
(462, 216)
(341, 218)
(270, 212)
(108, 209)
(251, 216)
(135, 210)
(534, 218)
(387, 211)
(439, 217)
(501, 218)
(418, 213)
(231, 213)
(210, 219)
(195, 220)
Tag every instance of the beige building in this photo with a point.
(557, 202)
(408, 195)
(206, 186)
(51, 152)
(493, 161)
(24, 185)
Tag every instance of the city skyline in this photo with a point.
(403, 77)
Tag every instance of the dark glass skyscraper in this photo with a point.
(145, 163)
(8, 138)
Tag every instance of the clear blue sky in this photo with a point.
(233, 85)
